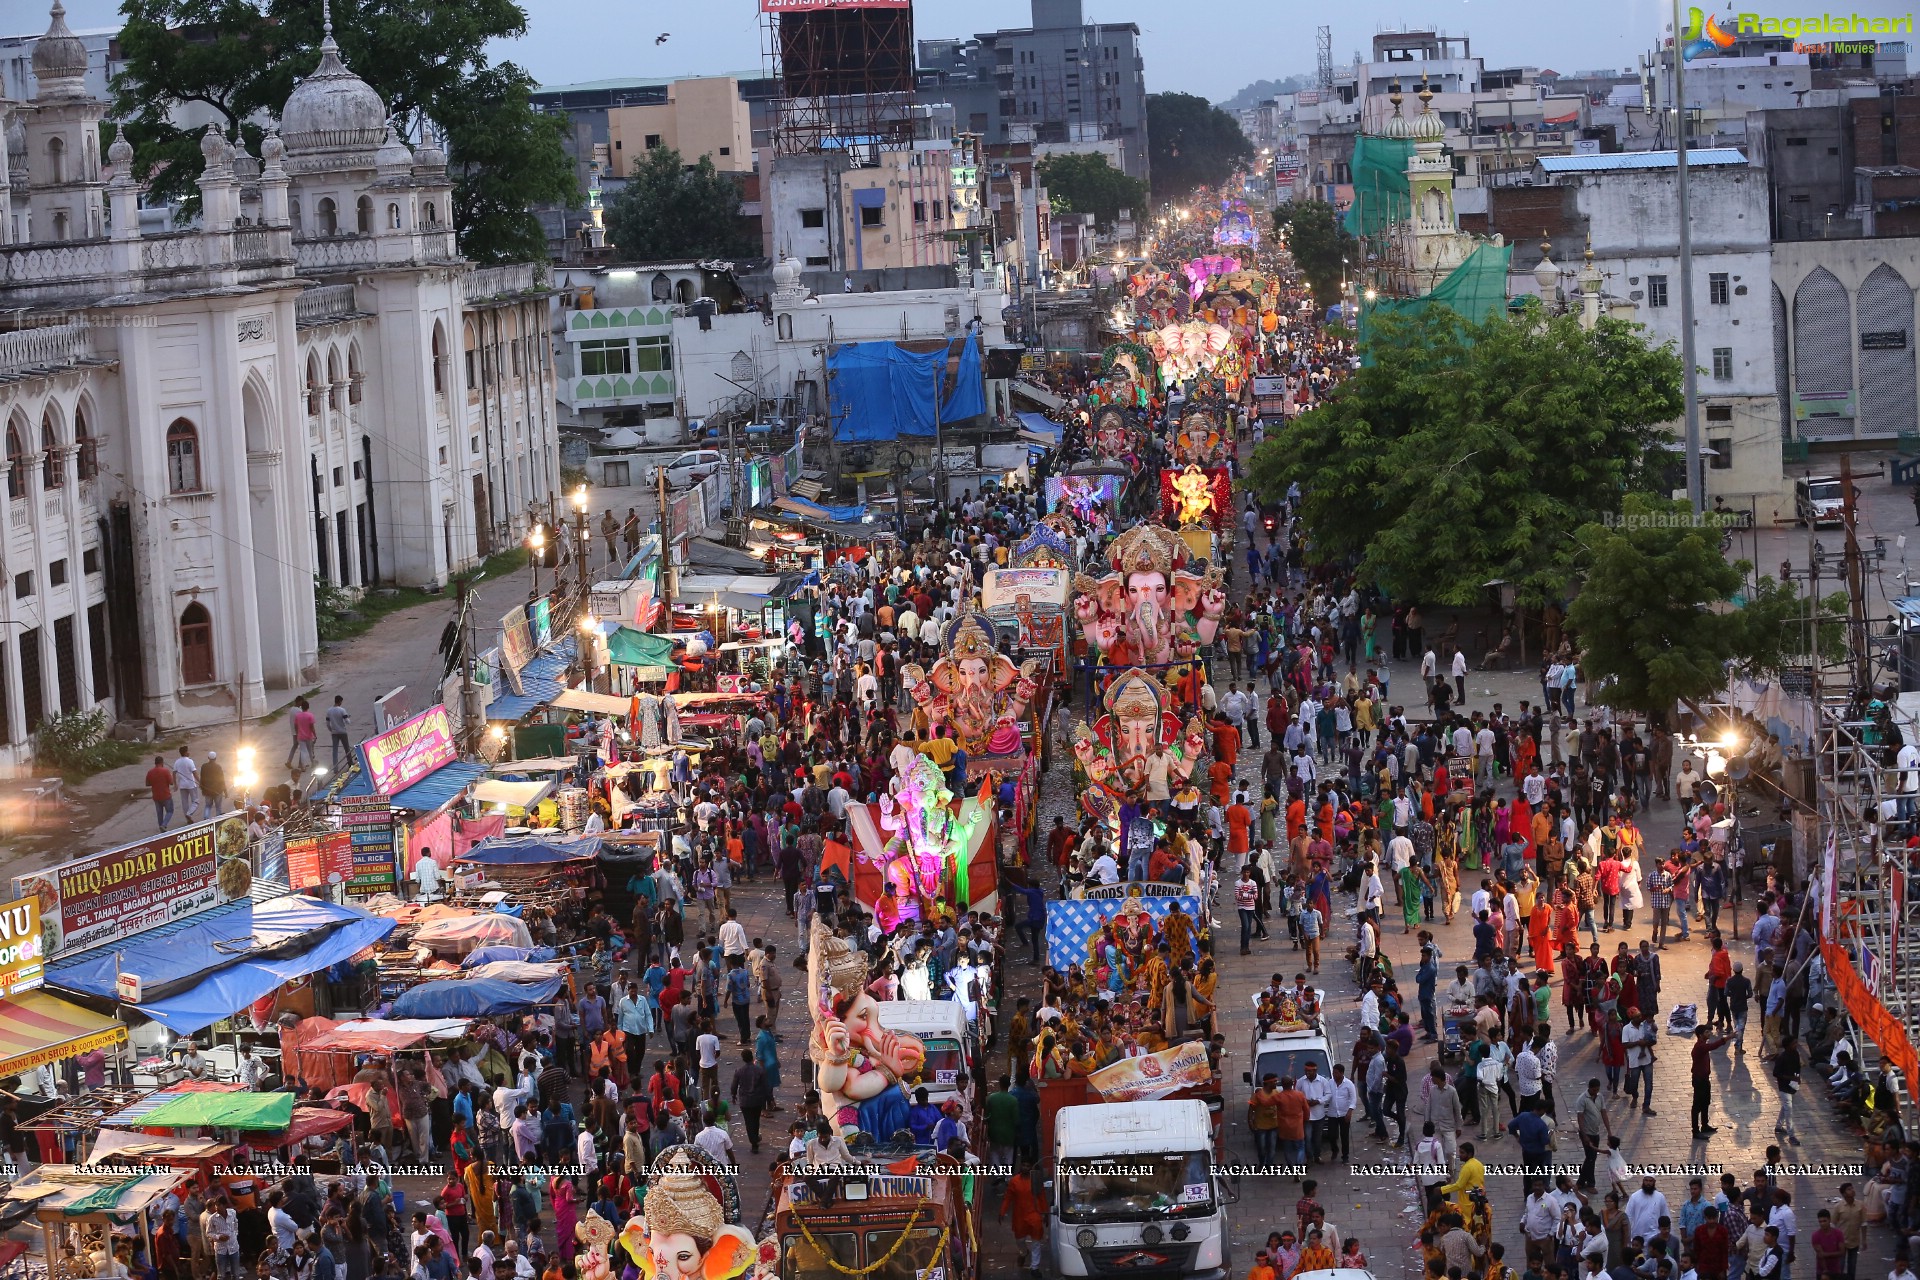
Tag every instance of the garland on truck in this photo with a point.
(872, 1267)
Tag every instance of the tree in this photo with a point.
(1661, 616)
(426, 58)
(673, 210)
(1086, 183)
(1459, 454)
(1319, 243)
(1192, 143)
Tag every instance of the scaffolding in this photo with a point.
(845, 77)
(1860, 865)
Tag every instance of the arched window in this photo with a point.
(87, 451)
(183, 457)
(393, 217)
(60, 224)
(363, 215)
(56, 160)
(53, 463)
(324, 213)
(16, 467)
(661, 287)
(683, 291)
(314, 393)
(293, 214)
(439, 359)
(336, 384)
(433, 213)
(196, 645)
(356, 376)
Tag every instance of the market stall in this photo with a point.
(474, 998)
(84, 1213)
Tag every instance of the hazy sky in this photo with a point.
(1210, 49)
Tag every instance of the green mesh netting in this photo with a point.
(1477, 289)
(1379, 184)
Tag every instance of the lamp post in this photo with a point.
(584, 548)
(536, 544)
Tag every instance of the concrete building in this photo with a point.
(1065, 79)
(1843, 313)
(1626, 207)
(309, 383)
(702, 118)
(864, 208)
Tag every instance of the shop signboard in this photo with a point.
(22, 947)
(409, 751)
(368, 823)
(324, 858)
(516, 639)
(107, 896)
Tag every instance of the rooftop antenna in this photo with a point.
(1323, 40)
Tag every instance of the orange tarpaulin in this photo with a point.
(1874, 1018)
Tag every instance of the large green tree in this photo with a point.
(1662, 615)
(1192, 143)
(1460, 453)
(1087, 183)
(426, 58)
(670, 209)
(1319, 243)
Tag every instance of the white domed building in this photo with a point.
(310, 382)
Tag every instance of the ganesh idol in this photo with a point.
(1136, 740)
(974, 689)
(926, 838)
(682, 1232)
(860, 1067)
(1151, 609)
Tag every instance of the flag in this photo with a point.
(910, 1164)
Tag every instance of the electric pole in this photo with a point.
(1696, 480)
(666, 555)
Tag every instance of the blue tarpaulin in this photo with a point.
(881, 391)
(472, 998)
(487, 955)
(199, 970)
(1039, 424)
(839, 515)
(529, 853)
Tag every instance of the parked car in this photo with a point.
(1819, 500)
(688, 469)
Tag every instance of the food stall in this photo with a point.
(84, 1212)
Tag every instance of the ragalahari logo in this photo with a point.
(1703, 34)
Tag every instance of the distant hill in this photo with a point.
(1260, 90)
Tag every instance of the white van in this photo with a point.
(1283, 1054)
(942, 1027)
(1134, 1192)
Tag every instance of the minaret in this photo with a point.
(1438, 246)
(65, 190)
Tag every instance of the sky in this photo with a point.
(1211, 50)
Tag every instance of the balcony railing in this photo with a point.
(323, 304)
(48, 347)
(495, 282)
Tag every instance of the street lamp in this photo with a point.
(536, 544)
(244, 774)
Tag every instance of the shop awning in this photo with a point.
(523, 971)
(76, 1190)
(134, 1114)
(541, 681)
(38, 1028)
(537, 764)
(600, 704)
(309, 1121)
(530, 853)
(145, 1148)
(263, 1111)
(472, 998)
(630, 648)
(1038, 425)
(362, 1038)
(431, 1028)
(435, 791)
(199, 970)
(515, 795)
(1038, 394)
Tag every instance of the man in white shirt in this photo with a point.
(426, 878)
(1371, 891)
(714, 1141)
(1535, 787)
(1482, 900)
(1645, 1208)
(1318, 1089)
(1400, 853)
(1105, 869)
(1483, 754)
(1340, 1105)
(733, 935)
(1638, 1036)
(1429, 666)
(1463, 742)
(584, 1150)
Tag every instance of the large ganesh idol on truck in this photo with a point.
(860, 1067)
(1137, 739)
(975, 690)
(1153, 608)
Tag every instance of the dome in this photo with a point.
(786, 274)
(59, 59)
(429, 156)
(1428, 127)
(393, 157)
(333, 109)
(120, 153)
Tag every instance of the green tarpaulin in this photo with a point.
(105, 1199)
(632, 648)
(1380, 196)
(222, 1111)
(1476, 289)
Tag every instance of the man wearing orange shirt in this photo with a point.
(1293, 1109)
(1220, 774)
(1296, 818)
(1239, 824)
(1226, 743)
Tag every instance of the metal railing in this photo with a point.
(494, 282)
(324, 303)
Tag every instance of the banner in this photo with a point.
(22, 947)
(390, 708)
(541, 622)
(516, 639)
(815, 6)
(1153, 1076)
(112, 895)
(410, 751)
(368, 822)
(1879, 1025)
(1008, 588)
(322, 859)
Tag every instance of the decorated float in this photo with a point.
(1155, 607)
